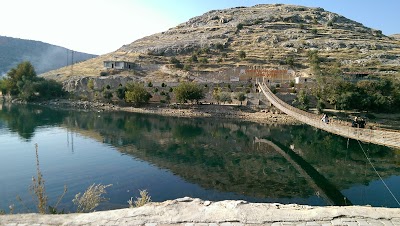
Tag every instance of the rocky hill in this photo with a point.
(267, 34)
(43, 56)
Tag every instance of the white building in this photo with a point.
(119, 65)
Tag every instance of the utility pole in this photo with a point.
(72, 62)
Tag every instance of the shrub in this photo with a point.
(314, 31)
(187, 67)
(224, 55)
(242, 54)
(203, 60)
(163, 85)
(121, 92)
(140, 201)
(150, 84)
(239, 26)
(137, 94)
(188, 92)
(103, 73)
(193, 59)
(219, 46)
(91, 198)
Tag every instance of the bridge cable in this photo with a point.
(378, 174)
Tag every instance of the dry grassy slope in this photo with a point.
(270, 33)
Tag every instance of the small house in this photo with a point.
(301, 80)
(122, 65)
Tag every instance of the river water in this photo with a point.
(170, 157)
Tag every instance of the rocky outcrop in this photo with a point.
(268, 34)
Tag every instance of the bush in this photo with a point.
(242, 54)
(136, 94)
(140, 201)
(187, 67)
(150, 84)
(103, 73)
(188, 92)
(92, 197)
(239, 26)
(203, 60)
(163, 85)
(193, 59)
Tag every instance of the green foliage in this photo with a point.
(187, 67)
(291, 83)
(90, 84)
(314, 31)
(136, 94)
(239, 26)
(240, 97)
(149, 84)
(289, 61)
(219, 46)
(367, 95)
(314, 61)
(242, 54)
(170, 89)
(224, 55)
(203, 60)
(302, 100)
(163, 85)
(121, 92)
(22, 82)
(107, 94)
(176, 62)
(188, 92)
(103, 73)
(225, 97)
(193, 59)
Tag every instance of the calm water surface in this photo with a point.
(174, 157)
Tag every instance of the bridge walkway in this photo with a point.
(389, 138)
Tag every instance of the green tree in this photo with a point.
(188, 91)
(22, 82)
(136, 94)
(121, 92)
(241, 97)
(289, 61)
(225, 97)
(302, 100)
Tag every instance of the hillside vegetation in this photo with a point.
(43, 56)
(272, 36)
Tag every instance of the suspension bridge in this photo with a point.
(380, 136)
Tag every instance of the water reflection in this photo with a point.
(223, 155)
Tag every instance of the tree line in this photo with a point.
(22, 82)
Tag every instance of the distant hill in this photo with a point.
(395, 36)
(268, 34)
(44, 57)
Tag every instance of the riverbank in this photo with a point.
(189, 211)
(188, 111)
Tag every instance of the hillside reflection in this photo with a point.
(221, 154)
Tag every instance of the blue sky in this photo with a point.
(102, 26)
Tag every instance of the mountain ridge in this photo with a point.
(268, 34)
(44, 56)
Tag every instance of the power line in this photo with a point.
(378, 173)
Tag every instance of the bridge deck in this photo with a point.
(377, 136)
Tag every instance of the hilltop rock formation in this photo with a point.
(268, 34)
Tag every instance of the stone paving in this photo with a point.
(196, 212)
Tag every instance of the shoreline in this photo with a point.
(242, 113)
(197, 212)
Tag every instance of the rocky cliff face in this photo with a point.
(267, 34)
